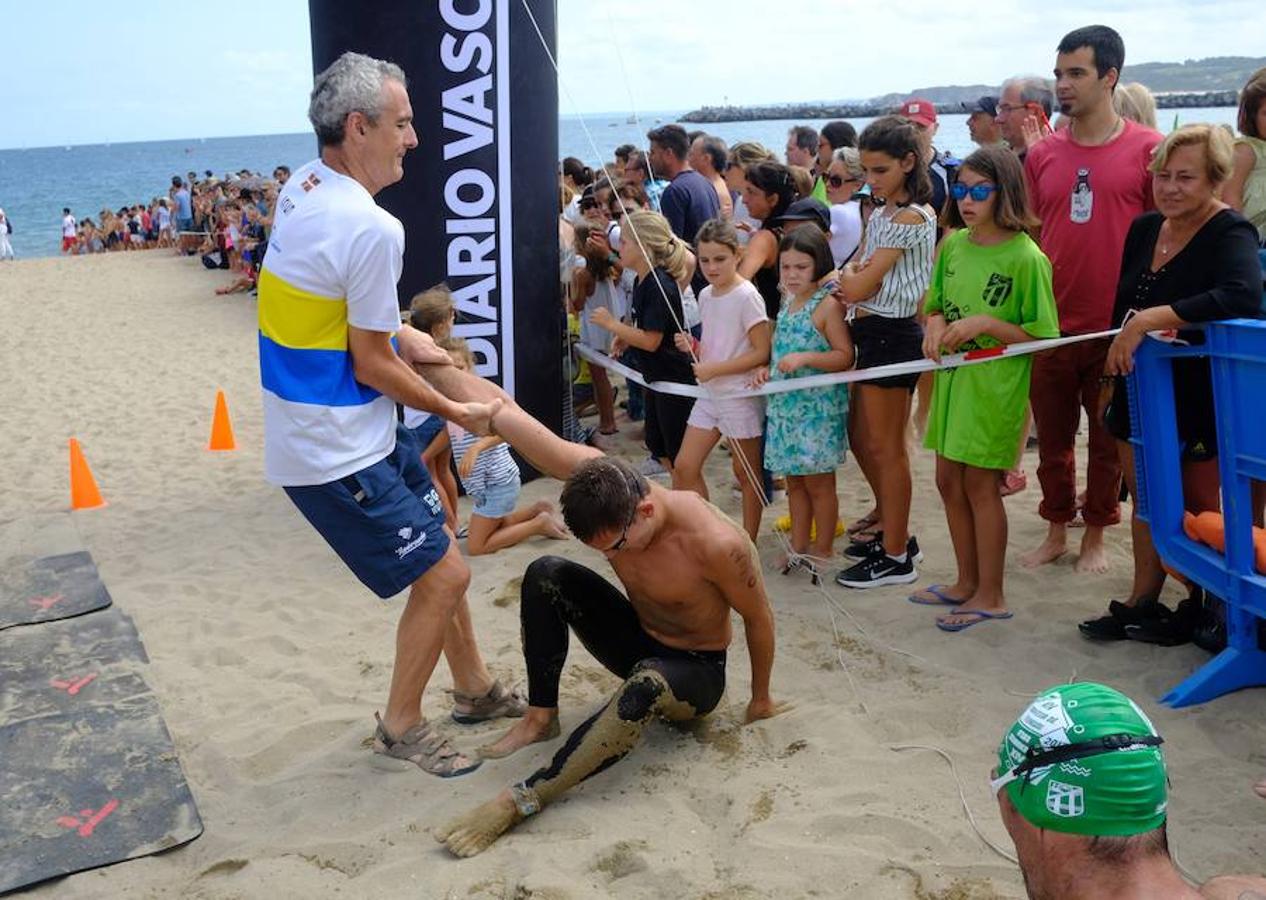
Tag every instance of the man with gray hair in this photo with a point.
(331, 377)
(1024, 112)
(707, 156)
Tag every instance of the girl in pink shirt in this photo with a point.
(736, 340)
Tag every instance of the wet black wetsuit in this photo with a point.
(559, 595)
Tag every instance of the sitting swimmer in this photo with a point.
(684, 566)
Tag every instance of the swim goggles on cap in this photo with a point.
(1040, 759)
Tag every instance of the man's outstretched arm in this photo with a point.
(735, 570)
(541, 447)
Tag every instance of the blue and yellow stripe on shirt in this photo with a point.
(303, 355)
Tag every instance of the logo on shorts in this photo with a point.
(997, 290)
(432, 499)
(410, 545)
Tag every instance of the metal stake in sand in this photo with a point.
(83, 487)
(221, 428)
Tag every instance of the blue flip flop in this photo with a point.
(937, 591)
(978, 616)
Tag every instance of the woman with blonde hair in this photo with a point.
(662, 263)
(1191, 260)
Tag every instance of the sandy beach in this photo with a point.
(269, 659)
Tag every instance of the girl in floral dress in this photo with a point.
(806, 428)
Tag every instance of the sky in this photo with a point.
(82, 71)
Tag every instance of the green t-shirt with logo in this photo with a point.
(978, 411)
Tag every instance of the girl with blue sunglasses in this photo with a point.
(991, 286)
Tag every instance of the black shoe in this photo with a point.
(1112, 626)
(877, 571)
(875, 547)
(1171, 629)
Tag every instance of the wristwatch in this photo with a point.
(525, 800)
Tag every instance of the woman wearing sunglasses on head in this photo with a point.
(991, 286)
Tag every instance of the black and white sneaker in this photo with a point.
(877, 571)
(875, 547)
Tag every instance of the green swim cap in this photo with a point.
(1089, 762)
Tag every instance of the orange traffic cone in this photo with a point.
(221, 428)
(83, 488)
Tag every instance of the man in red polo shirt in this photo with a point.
(1087, 183)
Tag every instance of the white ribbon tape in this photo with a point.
(954, 361)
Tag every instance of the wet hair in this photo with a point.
(459, 350)
(714, 148)
(431, 307)
(601, 494)
(1105, 45)
(1251, 99)
(580, 173)
(813, 242)
(718, 231)
(896, 136)
(773, 178)
(352, 83)
(1033, 89)
(672, 138)
(802, 178)
(597, 262)
(749, 153)
(804, 137)
(839, 134)
(1135, 102)
(1011, 199)
(1219, 149)
(663, 249)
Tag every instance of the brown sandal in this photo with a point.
(471, 709)
(423, 747)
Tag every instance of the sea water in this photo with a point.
(36, 183)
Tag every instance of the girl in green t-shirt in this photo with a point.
(991, 285)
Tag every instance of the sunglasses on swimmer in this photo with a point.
(978, 192)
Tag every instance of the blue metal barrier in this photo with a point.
(1237, 353)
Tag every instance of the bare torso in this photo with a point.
(671, 583)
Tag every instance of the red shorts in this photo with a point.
(68, 243)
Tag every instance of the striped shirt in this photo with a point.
(902, 289)
(332, 263)
(494, 465)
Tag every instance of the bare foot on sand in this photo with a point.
(474, 832)
(1093, 558)
(536, 725)
(1051, 549)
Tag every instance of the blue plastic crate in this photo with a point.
(1237, 354)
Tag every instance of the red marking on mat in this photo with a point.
(984, 354)
(72, 685)
(44, 603)
(88, 819)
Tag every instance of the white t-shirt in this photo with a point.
(68, 226)
(846, 230)
(333, 260)
(164, 218)
(727, 318)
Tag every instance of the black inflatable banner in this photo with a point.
(479, 198)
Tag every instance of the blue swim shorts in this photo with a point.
(385, 522)
(496, 500)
